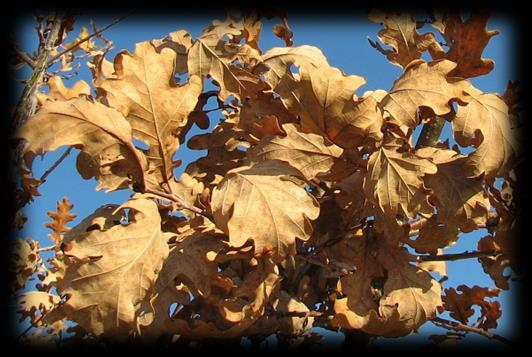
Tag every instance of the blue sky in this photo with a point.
(344, 42)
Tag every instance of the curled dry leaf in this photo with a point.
(496, 265)
(459, 305)
(399, 32)
(114, 269)
(386, 295)
(58, 91)
(102, 133)
(484, 122)
(262, 191)
(24, 262)
(466, 40)
(145, 92)
(423, 85)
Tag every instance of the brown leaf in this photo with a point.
(494, 266)
(34, 304)
(466, 41)
(485, 123)
(210, 55)
(423, 85)
(24, 262)
(180, 42)
(114, 269)
(101, 132)
(59, 218)
(459, 305)
(385, 296)
(311, 154)
(145, 91)
(462, 201)
(58, 91)
(399, 32)
(279, 60)
(262, 191)
(394, 182)
(434, 235)
(284, 32)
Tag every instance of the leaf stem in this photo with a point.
(457, 326)
(174, 198)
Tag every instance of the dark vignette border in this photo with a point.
(517, 14)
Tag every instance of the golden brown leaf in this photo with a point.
(495, 265)
(262, 190)
(423, 85)
(24, 262)
(114, 269)
(484, 122)
(58, 91)
(385, 296)
(399, 32)
(459, 305)
(434, 235)
(311, 154)
(59, 218)
(180, 42)
(101, 132)
(145, 92)
(466, 40)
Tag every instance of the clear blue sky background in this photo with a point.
(344, 42)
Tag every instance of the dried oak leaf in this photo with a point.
(114, 269)
(399, 32)
(146, 93)
(25, 260)
(280, 59)
(459, 305)
(466, 40)
(434, 235)
(423, 85)
(211, 56)
(461, 198)
(102, 133)
(495, 265)
(484, 122)
(311, 154)
(34, 304)
(251, 203)
(386, 295)
(59, 218)
(284, 32)
(58, 91)
(394, 182)
(180, 42)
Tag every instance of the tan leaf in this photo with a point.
(145, 91)
(399, 32)
(210, 55)
(284, 32)
(114, 269)
(58, 91)
(33, 304)
(462, 201)
(485, 123)
(459, 305)
(466, 40)
(24, 262)
(311, 154)
(59, 218)
(394, 182)
(180, 42)
(262, 191)
(423, 85)
(385, 296)
(279, 60)
(94, 128)
(435, 266)
(495, 265)
(434, 235)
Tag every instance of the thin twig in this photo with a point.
(172, 197)
(24, 56)
(47, 249)
(85, 39)
(298, 313)
(457, 326)
(52, 168)
(456, 256)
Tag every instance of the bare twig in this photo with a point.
(174, 198)
(456, 256)
(430, 134)
(52, 168)
(85, 39)
(298, 314)
(47, 249)
(23, 56)
(457, 326)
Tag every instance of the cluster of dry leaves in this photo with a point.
(300, 213)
